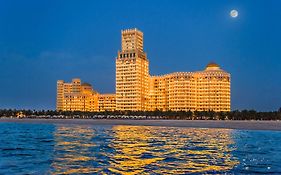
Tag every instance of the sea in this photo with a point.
(132, 150)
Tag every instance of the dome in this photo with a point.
(86, 84)
(212, 66)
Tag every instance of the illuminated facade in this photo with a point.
(183, 91)
(77, 96)
(136, 90)
(132, 73)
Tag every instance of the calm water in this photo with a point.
(76, 149)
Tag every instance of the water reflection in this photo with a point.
(161, 150)
(134, 150)
(72, 150)
(141, 150)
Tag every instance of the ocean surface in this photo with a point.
(81, 149)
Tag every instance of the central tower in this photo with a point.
(132, 74)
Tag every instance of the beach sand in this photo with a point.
(242, 125)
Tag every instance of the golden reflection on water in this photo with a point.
(72, 150)
(130, 150)
(130, 144)
(171, 150)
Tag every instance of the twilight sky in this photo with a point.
(43, 41)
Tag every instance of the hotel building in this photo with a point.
(77, 96)
(136, 90)
(132, 76)
(183, 91)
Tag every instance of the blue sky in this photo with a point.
(43, 41)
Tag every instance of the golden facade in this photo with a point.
(106, 102)
(132, 73)
(77, 96)
(136, 90)
(183, 91)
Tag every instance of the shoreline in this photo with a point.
(226, 124)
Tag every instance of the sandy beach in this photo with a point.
(244, 125)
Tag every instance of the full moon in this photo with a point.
(233, 13)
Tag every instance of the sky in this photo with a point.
(44, 41)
